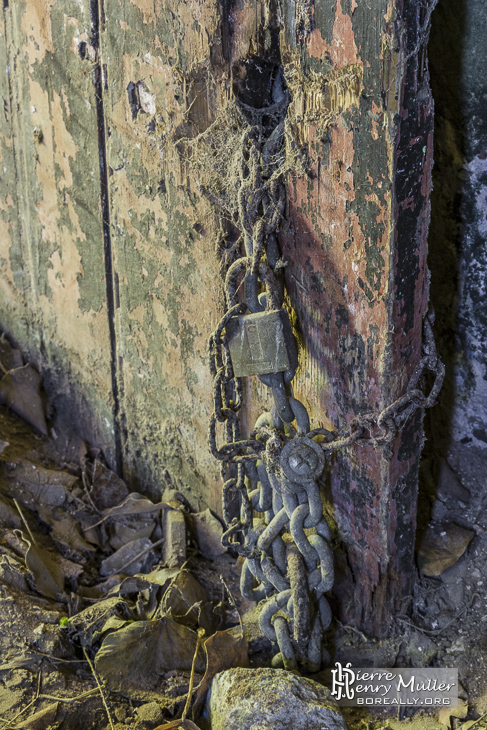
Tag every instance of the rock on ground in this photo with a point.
(150, 714)
(261, 699)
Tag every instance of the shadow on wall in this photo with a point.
(456, 429)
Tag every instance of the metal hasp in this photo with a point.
(261, 343)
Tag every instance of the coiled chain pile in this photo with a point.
(271, 498)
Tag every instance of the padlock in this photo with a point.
(261, 343)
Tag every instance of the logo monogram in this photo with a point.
(343, 679)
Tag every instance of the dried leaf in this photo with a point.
(10, 358)
(127, 529)
(41, 720)
(142, 582)
(71, 570)
(101, 590)
(178, 725)
(94, 535)
(107, 489)
(126, 559)
(20, 391)
(135, 504)
(9, 516)
(47, 572)
(442, 546)
(208, 531)
(89, 623)
(112, 624)
(134, 659)
(65, 529)
(223, 651)
(188, 602)
(11, 574)
(32, 484)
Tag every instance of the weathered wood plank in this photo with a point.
(168, 292)
(64, 327)
(358, 274)
(14, 315)
(356, 246)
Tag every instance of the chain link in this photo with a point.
(272, 503)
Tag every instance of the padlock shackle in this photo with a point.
(265, 273)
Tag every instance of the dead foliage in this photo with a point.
(75, 540)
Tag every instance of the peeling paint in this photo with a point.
(62, 324)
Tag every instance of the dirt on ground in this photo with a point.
(91, 634)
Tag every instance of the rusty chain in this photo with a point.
(271, 498)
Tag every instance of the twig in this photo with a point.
(437, 632)
(99, 687)
(426, 632)
(24, 521)
(232, 601)
(58, 659)
(69, 700)
(354, 629)
(84, 481)
(80, 501)
(201, 633)
(9, 722)
(476, 723)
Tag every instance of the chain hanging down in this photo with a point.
(286, 546)
(281, 530)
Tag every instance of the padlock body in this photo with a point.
(261, 343)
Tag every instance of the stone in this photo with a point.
(441, 547)
(455, 580)
(373, 653)
(440, 511)
(150, 713)
(174, 497)
(174, 531)
(258, 643)
(121, 713)
(208, 532)
(450, 489)
(265, 699)
(419, 650)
